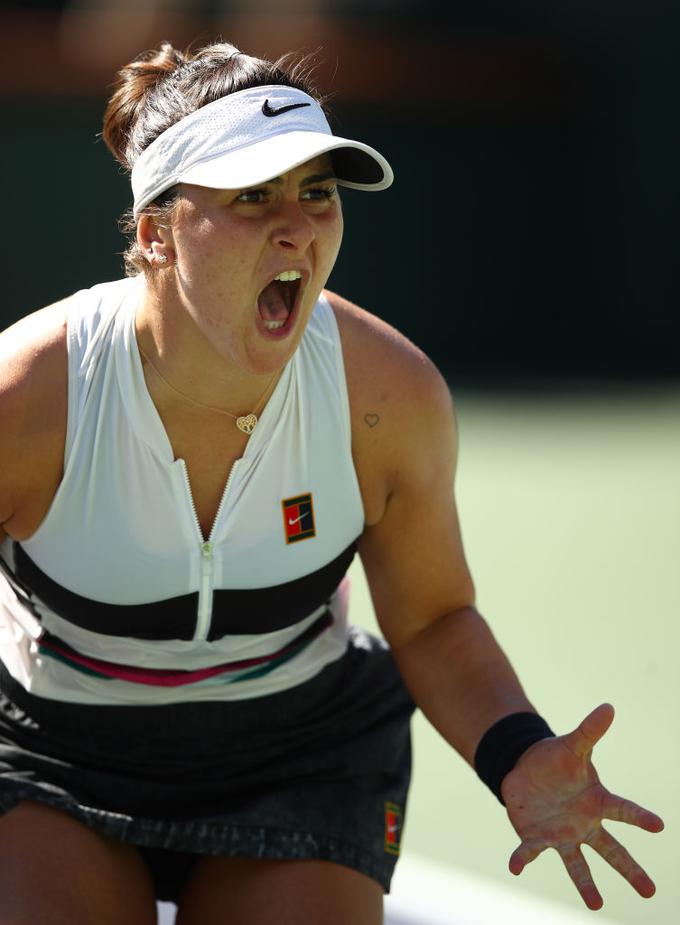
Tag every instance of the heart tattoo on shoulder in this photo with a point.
(372, 419)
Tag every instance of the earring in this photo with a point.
(162, 258)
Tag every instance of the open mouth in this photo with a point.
(279, 299)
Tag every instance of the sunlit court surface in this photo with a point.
(571, 517)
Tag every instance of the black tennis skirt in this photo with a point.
(318, 771)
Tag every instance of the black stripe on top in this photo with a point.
(250, 611)
(263, 610)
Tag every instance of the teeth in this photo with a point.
(273, 325)
(287, 276)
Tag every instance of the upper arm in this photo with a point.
(411, 547)
(33, 403)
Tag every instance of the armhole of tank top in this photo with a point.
(334, 332)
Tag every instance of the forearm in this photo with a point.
(460, 678)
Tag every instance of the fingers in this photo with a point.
(583, 739)
(616, 855)
(581, 877)
(526, 853)
(619, 810)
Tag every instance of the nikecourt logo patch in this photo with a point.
(298, 518)
(268, 111)
(393, 826)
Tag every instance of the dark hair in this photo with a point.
(162, 86)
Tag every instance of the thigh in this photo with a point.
(231, 891)
(55, 869)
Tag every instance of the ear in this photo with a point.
(156, 242)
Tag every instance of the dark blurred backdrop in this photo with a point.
(531, 234)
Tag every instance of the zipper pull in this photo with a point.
(206, 550)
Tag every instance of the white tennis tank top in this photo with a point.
(117, 598)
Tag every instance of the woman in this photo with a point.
(190, 458)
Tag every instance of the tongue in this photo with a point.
(272, 302)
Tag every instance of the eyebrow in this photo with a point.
(319, 178)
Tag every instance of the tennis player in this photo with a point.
(190, 458)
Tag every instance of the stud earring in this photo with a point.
(162, 258)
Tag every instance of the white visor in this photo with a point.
(247, 138)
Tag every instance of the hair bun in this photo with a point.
(132, 86)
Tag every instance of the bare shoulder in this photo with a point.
(33, 360)
(403, 423)
(385, 366)
(33, 409)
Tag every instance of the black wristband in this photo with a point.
(504, 743)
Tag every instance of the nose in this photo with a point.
(293, 230)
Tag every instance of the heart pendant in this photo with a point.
(246, 424)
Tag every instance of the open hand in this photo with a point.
(554, 799)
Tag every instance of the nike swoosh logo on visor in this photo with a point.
(268, 111)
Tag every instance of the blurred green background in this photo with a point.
(529, 246)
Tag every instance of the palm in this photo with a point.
(555, 800)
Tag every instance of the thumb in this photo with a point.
(584, 738)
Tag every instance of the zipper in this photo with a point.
(205, 593)
(205, 588)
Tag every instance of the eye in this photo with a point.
(320, 193)
(253, 195)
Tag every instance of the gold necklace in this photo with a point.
(246, 423)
